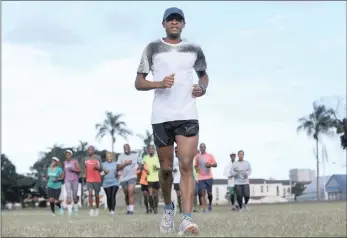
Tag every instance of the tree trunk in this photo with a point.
(317, 179)
(112, 146)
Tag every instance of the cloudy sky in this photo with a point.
(66, 63)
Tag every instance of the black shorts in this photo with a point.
(165, 133)
(242, 190)
(176, 186)
(144, 188)
(53, 193)
(154, 185)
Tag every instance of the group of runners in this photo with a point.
(172, 62)
(111, 175)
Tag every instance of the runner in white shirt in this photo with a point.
(176, 180)
(173, 62)
(231, 182)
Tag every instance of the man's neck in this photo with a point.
(172, 40)
(151, 155)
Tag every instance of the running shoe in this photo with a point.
(167, 224)
(61, 211)
(187, 227)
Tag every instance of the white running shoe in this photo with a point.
(167, 224)
(245, 208)
(91, 212)
(112, 213)
(187, 227)
(96, 213)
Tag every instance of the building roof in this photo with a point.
(341, 179)
(253, 181)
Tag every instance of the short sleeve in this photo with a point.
(200, 63)
(146, 61)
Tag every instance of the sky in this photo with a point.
(65, 63)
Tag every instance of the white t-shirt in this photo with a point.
(164, 59)
(176, 175)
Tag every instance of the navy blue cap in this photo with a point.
(173, 10)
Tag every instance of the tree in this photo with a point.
(112, 126)
(147, 140)
(298, 189)
(14, 187)
(318, 123)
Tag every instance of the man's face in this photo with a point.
(173, 25)
(90, 150)
(233, 156)
(202, 148)
(240, 155)
(126, 148)
(150, 150)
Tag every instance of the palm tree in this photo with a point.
(318, 123)
(147, 140)
(112, 126)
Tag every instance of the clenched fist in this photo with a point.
(168, 81)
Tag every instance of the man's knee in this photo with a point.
(165, 172)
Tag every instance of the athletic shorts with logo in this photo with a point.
(165, 133)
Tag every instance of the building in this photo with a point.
(310, 193)
(336, 187)
(262, 191)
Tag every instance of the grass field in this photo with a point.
(300, 220)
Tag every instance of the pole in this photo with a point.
(323, 160)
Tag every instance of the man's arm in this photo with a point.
(249, 169)
(141, 83)
(200, 67)
(121, 165)
(213, 162)
(232, 170)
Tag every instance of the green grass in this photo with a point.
(287, 220)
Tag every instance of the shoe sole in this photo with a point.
(190, 230)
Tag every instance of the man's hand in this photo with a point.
(168, 81)
(128, 162)
(198, 91)
(208, 165)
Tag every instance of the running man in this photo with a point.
(241, 170)
(110, 182)
(55, 175)
(174, 112)
(231, 181)
(93, 179)
(204, 163)
(176, 180)
(152, 162)
(71, 172)
(144, 185)
(127, 163)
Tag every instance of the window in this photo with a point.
(277, 191)
(253, 191)
(261, 189)
(267, 189)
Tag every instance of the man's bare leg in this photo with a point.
(186, 152)
(165, 155)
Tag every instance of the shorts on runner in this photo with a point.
(53, 193)
(94, 186)
(176, 186)
(144, 188)
(125, 184)
(154, 185)
(197, 190)
(206, 185)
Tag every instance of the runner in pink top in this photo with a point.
(204, 163)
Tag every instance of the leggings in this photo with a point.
(111, 197)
